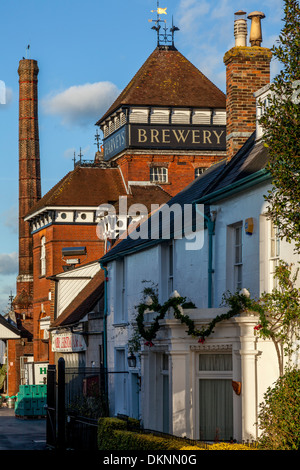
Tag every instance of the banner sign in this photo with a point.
(115, 143)
(164, 136)
(68, 342)
(178, 137)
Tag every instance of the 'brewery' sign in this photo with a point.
(161, 136)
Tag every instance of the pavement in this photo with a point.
(21, 434)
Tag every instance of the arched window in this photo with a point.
(43, 256)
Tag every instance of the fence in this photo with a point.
(75, 400)
(85, 402)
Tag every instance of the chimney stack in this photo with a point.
(247, 70)
(29, 167)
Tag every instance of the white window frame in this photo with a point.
(273, 253)
(43, 256)
(167, 270)
(121, 381)
(120, 293)
(158, 174)
(199, 171)
(238, 259)
(209, 374)
(234, 265)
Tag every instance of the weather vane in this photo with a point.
(166, 38)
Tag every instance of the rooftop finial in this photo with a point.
(166, 38)
(97, 139)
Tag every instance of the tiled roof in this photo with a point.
(83, 303)
(146, 195)
(187, 196)
(167, 78)
(92, 186)
(84, 186)
(250, 159)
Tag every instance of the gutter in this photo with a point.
(245, 183)
(211, 231)
(105, 329)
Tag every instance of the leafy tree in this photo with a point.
(279, 314)
(280, 123)
(279, 416)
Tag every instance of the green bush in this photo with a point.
(118, 434)
(279, 416)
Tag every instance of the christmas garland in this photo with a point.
(238, 303)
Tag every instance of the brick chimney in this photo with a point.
(29, 168)
(247, 70)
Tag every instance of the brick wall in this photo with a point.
(29, 194)
(247, 70)
(181, 168)
(29, 157)
(57, 237)
(15, 350)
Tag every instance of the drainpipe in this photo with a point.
(211, 231)
(105, 328)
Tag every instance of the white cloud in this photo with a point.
(207, 31)
(6, 95)
(81, 104)
(8, 263)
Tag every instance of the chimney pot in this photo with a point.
(240, 29)
(255, 30)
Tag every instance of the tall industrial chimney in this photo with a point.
(247, 70)
(29, 167)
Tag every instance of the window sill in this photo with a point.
(160, 182)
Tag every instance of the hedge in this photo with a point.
(119, 434)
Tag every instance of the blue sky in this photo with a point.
(87, 52)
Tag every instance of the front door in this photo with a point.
(215, 397)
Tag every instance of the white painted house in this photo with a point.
(200, 390)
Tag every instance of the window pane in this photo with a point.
(158, 174)
(215, 362)
(215, 409)
(199, 171)
(165, 362)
